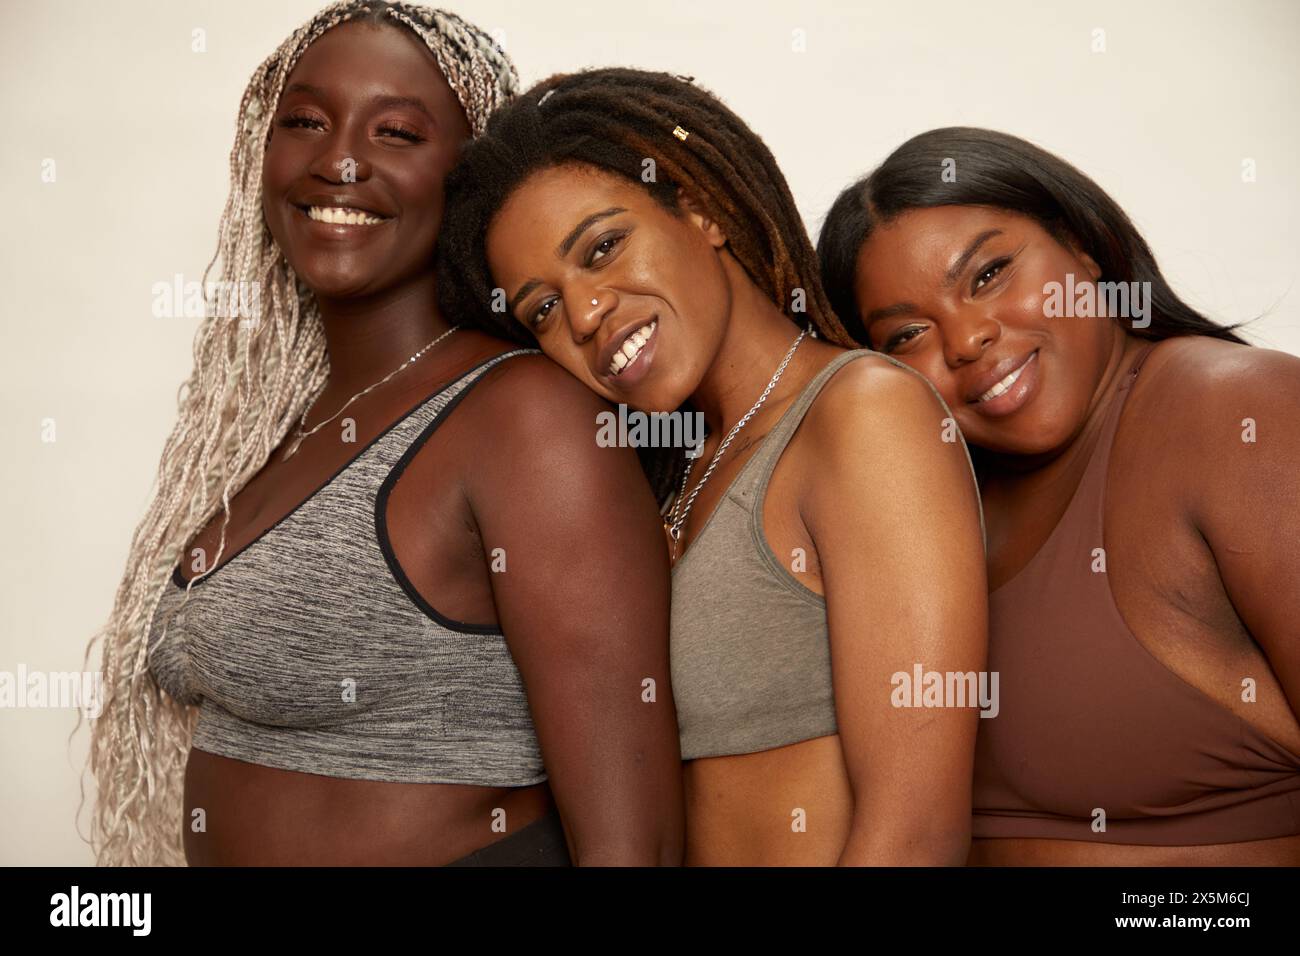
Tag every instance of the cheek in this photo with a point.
(276, 179)
(418, 195)
(681, 266)
(416, 184)
(932, 366)
(1022, 303)
(278, 163)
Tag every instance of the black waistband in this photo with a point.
(540, 843)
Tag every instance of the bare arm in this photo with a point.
(584, 603)
(894, 517)
(1244, 414)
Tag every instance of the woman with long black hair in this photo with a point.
(1138, 469)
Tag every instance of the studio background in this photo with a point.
(140, 125)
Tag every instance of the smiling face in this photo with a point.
(628, 297)
(352, 182)
(957, 292)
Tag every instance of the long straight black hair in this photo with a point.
(1003, 171)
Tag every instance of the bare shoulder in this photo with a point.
(531, 398)
(878, 400)
(535, 433)
(1200, 386)
(1221, 368)
(1212, 420)
(885, 442)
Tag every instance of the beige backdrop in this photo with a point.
(139, 127)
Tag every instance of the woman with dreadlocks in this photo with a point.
(415, 526)
(826, 539)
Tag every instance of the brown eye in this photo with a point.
(989, 274)
(540, 314)
(605, 246)
(300, 122)
(901, 337)
(401, 132)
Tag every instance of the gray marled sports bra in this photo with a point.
(750, 647)
(309, 650)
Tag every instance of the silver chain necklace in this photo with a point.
(303, 436)
(675, 520)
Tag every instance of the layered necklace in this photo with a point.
(301, 435)
(681, 509)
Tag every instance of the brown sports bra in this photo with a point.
(1090, 721)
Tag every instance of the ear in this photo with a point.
(1089, 263)
(1094, 270)
(696, 212)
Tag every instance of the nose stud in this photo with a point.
(593, 301)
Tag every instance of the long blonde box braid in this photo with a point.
(250, 382)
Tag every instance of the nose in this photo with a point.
(588, 311)
(969, 334)
(341, 157)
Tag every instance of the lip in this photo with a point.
(340, 201)
(1014, 397)
(999, 370)
(631, 376)
(340, 230)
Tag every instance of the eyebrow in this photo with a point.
(898, 308)
(902, 308)
(563, 248)
(965, 257)
(381, 102)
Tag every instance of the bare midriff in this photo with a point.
(790, 806)
(263, 816)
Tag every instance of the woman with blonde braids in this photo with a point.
(410, 638)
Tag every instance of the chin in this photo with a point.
(336, 285)
(663, 397)
(1024, 438)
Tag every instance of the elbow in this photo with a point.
(919, 845)
(660, 844)
(659, 852)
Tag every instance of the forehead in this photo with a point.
(551, 201)
(573, 188)
(370, 58)
(926, 240)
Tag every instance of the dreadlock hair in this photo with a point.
(1003, 171)
(618, 119)
(251, 381)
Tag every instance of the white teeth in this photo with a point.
(632, 347)
(343, 216)
(1003, 385)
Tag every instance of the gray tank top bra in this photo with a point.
(750, 649)
(310, 650)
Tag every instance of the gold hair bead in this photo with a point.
(680, 133)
